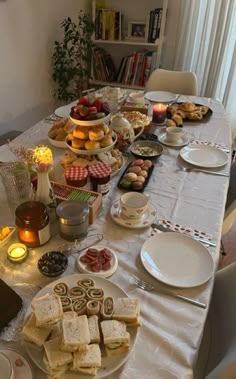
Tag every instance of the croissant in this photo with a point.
(177, 119)
(195, 115)
(170, 122)
(204, 109)
(187, 107)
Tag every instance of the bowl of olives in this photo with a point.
(53, 263)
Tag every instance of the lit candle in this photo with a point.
(17, 253)
(159, 113)
(43, 157)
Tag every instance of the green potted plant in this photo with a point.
(72, 58)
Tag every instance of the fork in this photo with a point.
(189, 169)
(149, 287)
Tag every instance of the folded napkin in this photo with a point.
(182, 229)
(219, 146)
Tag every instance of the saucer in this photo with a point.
(21, 366)
(182, 141)
(146, 220)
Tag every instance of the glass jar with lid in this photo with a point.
(32, 221)
(100, 174)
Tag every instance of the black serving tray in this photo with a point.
(204, 118)
(119, 185)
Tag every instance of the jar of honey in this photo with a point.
(32, 221)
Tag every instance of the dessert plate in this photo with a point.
(204, 155)
(146, 220)
(82, 267)
(182, 142)
(109, 364)
(21, 367)
(177, 260)
(160, 96)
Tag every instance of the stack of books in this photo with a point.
(135, 69)
(108, 25)
(154, 25)
(103, 65)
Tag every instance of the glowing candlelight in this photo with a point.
(17, 253)
(159, 113)
(43, 156)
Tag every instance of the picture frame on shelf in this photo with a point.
(136, 30)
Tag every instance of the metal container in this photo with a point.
(73, 219)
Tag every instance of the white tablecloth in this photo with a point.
(169, 338)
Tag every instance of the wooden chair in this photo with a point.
(179, 82)
(217, 354)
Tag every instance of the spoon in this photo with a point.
(189, 169)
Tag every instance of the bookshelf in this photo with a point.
(118, 40)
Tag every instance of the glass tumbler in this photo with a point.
(16, 181)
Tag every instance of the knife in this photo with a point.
(166, 229)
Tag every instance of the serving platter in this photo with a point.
(177, 260)
(204, 155)
(92, 152)
(205, 117)
(109, 364)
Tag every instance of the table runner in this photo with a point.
(171, 330)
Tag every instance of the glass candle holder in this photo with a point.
(17, 253)
(159, 113)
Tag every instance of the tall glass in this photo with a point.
(17, 183)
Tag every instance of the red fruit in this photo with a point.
(83, 101)
(98, 104)
(84, 111)
(77, 108)
(93, 110)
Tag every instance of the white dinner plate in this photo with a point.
(204, 155)
(109, 364)
(160, 96)
(182, 141)
(21, 366)
(64, 111)
(146, 220)
(82, 267)
(177, 260)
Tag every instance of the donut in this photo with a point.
(77, 143)
(92, 145)
(81, 132)
(96, 133)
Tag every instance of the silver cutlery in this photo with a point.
(189, 169)
(197, 238)
(149, 287)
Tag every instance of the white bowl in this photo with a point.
(104, 120)
(7, 239)
(59, 144)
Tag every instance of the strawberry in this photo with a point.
(83, 101)
(92, 110)
(98, 104)
(84, 111)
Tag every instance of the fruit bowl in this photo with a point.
(89, 113)
(53, 264)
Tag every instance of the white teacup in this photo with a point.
(133, 205)
(174, 134)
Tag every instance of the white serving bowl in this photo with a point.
(104, 120)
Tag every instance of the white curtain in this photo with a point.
(206, 45)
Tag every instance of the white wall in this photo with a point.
(28, 29)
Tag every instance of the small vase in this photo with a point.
(44, 192)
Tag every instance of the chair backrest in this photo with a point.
(221, 327)
(179, 82)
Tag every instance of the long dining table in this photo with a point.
(169, 337)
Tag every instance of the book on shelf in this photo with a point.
(108, 24)
(154, 25)
(103, 65)
(159, 23)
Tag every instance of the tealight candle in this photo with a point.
(17, 253)
(159, 113)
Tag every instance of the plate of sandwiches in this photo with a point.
(80, 326)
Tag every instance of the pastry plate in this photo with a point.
(160, 96)
(204, 155)
(182, 142)
(64, 111)
(82, 267)
(21, 366)
(177, 260)
(95, 151)
(109, 364)
(146, 220)
(59, 144)
(205, 117)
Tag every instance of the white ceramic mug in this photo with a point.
(133, 205)
(174, 134)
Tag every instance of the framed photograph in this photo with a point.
(136, 30)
